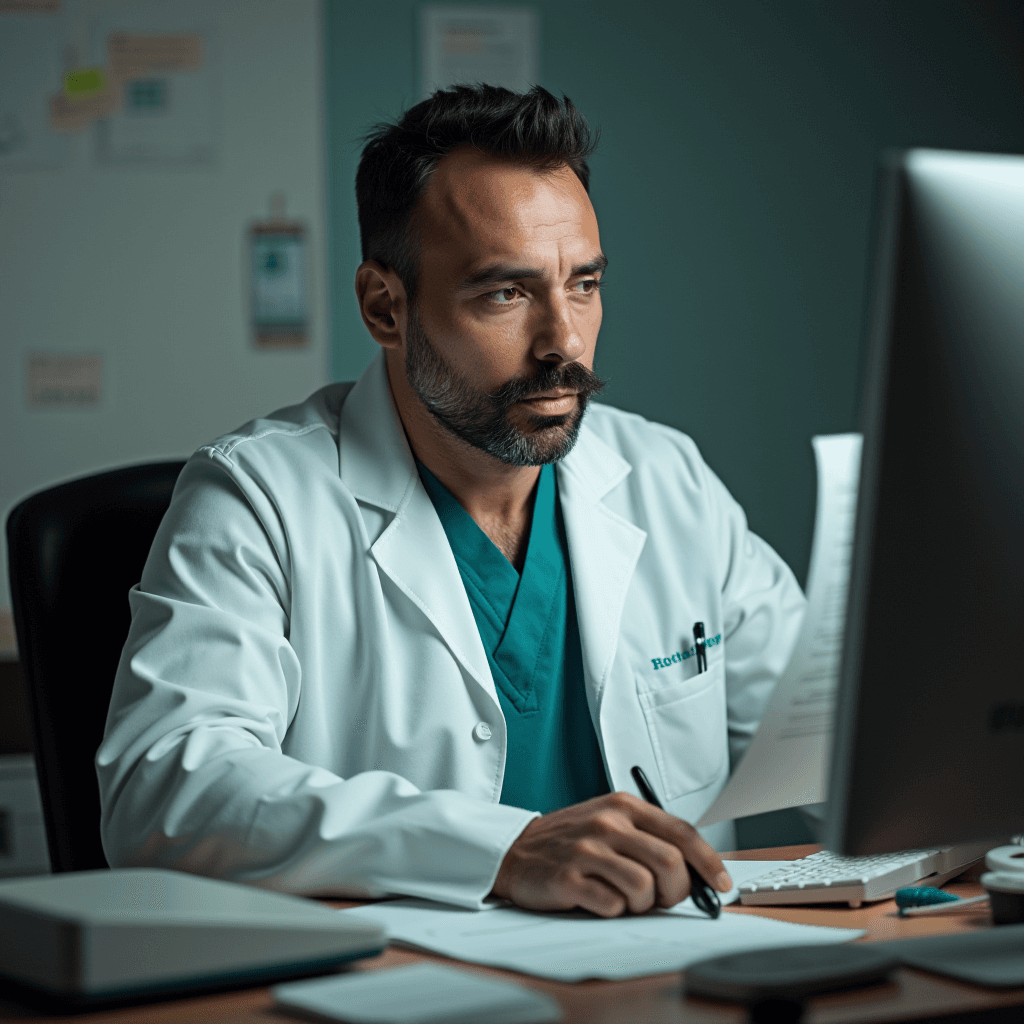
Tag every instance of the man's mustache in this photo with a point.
(571, 376)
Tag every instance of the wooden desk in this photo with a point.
(913, 995)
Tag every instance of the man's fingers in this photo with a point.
(685, 838)
(663, 860)
(698, 852)
(624, 874)
(599, 898)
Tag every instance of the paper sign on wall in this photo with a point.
(133, 79)
(467, 45)
(88, 93)
(64, 381)
(167, 85)
(280, 303)
(29, 6)
(135, 55)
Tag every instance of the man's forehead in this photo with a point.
(479, 202)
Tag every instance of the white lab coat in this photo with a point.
(304, 702)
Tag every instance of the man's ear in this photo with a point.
(382, 303)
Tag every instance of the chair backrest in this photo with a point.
(74, 552)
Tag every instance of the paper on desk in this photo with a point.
(786, 764)
(571, 947)
(419, 994)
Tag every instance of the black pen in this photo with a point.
(704, 897)
(701, 647)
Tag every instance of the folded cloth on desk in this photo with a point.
(574, 946)
(420, 994)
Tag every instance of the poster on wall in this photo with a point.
(166, 77)
(59, 380)
(280, 296)
(466, 45)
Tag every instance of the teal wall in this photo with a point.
(733, 190)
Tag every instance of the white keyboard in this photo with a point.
(830, 878)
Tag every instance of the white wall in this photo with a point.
(146, 265)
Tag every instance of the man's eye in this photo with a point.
(503, 296)
(588, 285)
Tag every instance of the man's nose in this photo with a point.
(557, 336)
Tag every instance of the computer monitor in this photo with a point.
(929, 742)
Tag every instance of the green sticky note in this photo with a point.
(84, 82)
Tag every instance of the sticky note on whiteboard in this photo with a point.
(64, 381)
(84, 82)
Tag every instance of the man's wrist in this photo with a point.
(499, 886)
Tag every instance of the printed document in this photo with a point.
(786, 764)
(575, 946)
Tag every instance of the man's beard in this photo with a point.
(481, 419)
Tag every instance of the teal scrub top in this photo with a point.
(530, 634)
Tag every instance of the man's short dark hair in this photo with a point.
(531, 129)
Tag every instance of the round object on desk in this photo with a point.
(1005, 896)
(1006, 859)
(793, 972)
(1004, 883)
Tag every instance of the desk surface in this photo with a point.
(911, 995)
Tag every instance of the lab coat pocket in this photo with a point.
(687, 723)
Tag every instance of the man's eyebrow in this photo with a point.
(595, 266)
(498, 272)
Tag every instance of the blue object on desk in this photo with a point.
(923, 896)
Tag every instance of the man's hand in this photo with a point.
(609, 855)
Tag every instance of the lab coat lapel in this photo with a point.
(378, 468)
(603, 548)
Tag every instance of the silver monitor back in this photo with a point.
(929, 743)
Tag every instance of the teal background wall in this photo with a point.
(733, 188)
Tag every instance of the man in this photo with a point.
(380, 631)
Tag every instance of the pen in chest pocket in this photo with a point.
(700, 646)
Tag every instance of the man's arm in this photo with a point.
(191, 771)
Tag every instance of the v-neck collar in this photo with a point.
(513, 611)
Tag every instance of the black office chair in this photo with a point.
(74, 551)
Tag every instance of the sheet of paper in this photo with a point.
(29, 6)
(786, 764)
(136, 55)
(71, 380)
(167, 73)
(575, 946)
(69, 114)
(465, 45)
(420, 994)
